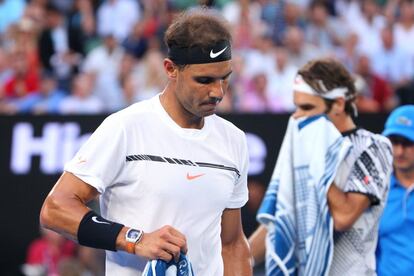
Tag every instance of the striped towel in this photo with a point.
(295, 209)
(162, 268)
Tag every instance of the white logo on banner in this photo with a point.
(56, 145)
(257, 153)
(59, 142)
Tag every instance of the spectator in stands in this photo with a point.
(348, 10)
(255, 99)
(5, 70)
(239, 80)
(395, 250)
(36, 12)
(323, 31)
(272, 15)
(10, 12)
(109, 87)
(105, 59)
(347, 53)
(136, 42)
(117, 17)
(280, 82)
(82, 18)
(24, 79)
(299, 51)
(260, 56)
(64, 6)
(391, 62)
(82, 100)
(128, 90)
(25, 40)
(292, 18)
(367, 24)
(149, 73)
(60, 47)
(46, 101)
(45, 253)
(244, 17)
(404, 28)
(374, 93)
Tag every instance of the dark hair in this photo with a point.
(197, 28)
(318, 3)
(52, 8)
(333, 75)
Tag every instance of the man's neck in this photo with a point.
(406, 178)
(344, 123)
(178, 114)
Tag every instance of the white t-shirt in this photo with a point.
(366, 170)
(151, 172)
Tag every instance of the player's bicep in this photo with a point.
(231, 226)
(72, 187)
(65, 207)
(346, 208)
(359, 202)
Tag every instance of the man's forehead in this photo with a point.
(303, 98)
(217, 69)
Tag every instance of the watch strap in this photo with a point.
(130, 244)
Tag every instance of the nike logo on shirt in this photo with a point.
(214, 55)
(192, 177)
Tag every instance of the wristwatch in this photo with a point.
(133, 236)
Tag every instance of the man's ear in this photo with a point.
(338, 106)
(170, 68)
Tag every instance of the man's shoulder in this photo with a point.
(224, 124)
(369, 137)
(131, 116)
(139, 108)
(375, 145)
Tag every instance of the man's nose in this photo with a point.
(297, 114)
(218, 89)
(398, 149)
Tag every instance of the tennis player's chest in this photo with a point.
(190, 173)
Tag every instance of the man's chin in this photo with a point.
(402, 166)
(209, 112)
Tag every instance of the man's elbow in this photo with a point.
(49, 208)
(343, 222)
(239, 247)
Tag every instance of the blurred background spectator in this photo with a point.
(119, 44)
(82, 100)
(45, 253)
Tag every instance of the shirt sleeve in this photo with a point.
(240, 193)
(100, 160)
(370, 174)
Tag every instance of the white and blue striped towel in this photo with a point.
(295, 209)
(162, 268)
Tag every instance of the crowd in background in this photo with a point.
(99, 56)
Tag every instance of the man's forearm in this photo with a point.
(237, 258)
(257, 242)
(345, 208)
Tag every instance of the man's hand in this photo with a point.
(165, 244)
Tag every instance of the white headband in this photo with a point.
(300, 85)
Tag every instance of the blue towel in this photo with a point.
(162, 268)
(295, 209)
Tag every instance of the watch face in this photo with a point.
(133, 234)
